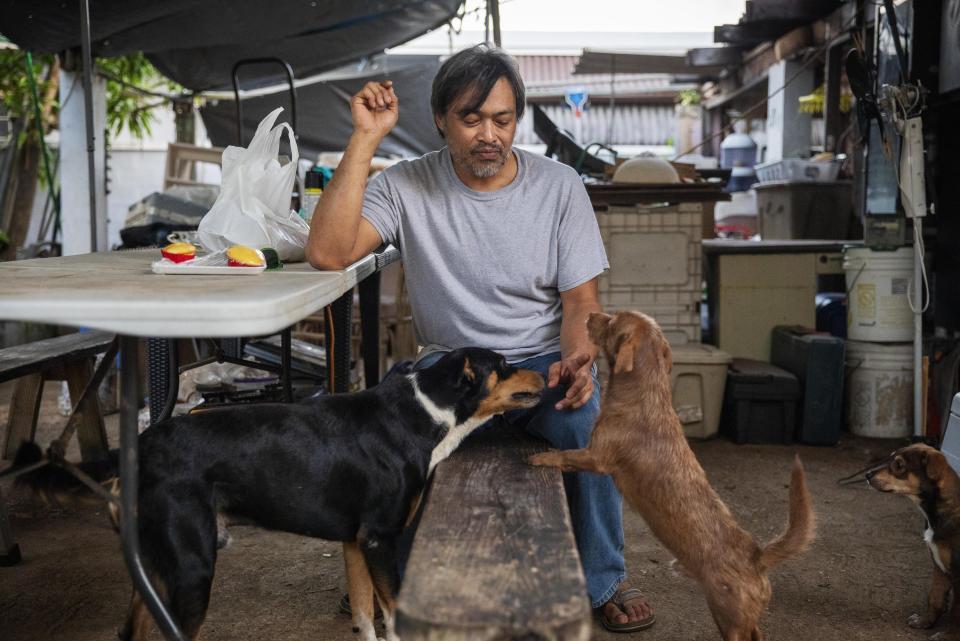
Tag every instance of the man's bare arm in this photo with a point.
(339, 235)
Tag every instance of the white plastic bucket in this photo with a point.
(877, 305)
(879, 389)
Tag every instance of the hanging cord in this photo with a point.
(921, 251)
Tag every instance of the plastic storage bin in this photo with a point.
(760, 403)
(790, 210)
(698, 378)
(817, 362)
(654, 254)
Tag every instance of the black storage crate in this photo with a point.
(817, 362)
(759, 403)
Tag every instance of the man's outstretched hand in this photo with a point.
(573, 371)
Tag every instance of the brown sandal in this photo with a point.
(619, 599)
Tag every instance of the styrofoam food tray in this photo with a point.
(211, 264)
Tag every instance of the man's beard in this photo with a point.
(480, 167)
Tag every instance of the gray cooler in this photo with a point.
(951, 437)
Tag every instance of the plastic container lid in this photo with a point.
(699, 354)
(738, 141)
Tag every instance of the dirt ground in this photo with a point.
(867, 572)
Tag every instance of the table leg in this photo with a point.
(158, 367)
(337, 330)
(370, 328)
(285, 358)
(130, 535)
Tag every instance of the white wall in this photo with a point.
(136, 169)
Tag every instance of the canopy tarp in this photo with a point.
(197, 43)
(323, 118)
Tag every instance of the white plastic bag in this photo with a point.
(253, 208)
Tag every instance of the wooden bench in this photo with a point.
(69, 358)
(494, 556)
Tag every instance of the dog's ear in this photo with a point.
(469, 376)
(935, 464)
(597, 324)
(626, 355)
(667, 356)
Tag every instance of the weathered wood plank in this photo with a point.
(36, 356)
(494, 556)
(22, 415)
(91, 433)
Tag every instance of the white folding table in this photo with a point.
(118, 292)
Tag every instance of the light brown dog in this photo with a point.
(638, 440)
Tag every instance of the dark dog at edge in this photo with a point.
(345, 467)
(923, 475)
(639, 441)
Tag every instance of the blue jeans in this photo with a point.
(595, 503)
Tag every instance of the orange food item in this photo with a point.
(243, 256)
(179, 252)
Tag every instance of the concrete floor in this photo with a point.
(867, 572)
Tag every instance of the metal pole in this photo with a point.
(495, 17)
(918, 401)
(486, 23)
(129, 478)
(88, 114)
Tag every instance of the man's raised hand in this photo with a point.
(375, 109)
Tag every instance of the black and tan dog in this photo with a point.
(923, 475)
(346, 467)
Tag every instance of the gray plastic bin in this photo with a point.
(789, 210)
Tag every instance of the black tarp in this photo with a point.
(196, 42)
(323, 109)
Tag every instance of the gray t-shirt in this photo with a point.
(486, 269)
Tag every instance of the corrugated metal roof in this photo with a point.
(552, 75)
(625, 124)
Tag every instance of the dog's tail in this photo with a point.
(57, 486)
(800, 527)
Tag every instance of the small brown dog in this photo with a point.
(923, 475)
(639, 441)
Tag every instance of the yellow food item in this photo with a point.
(179, 252)
(243, 256)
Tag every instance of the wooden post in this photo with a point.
(831, 100)
(22, 417)
(9, 550)
(91, 434)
